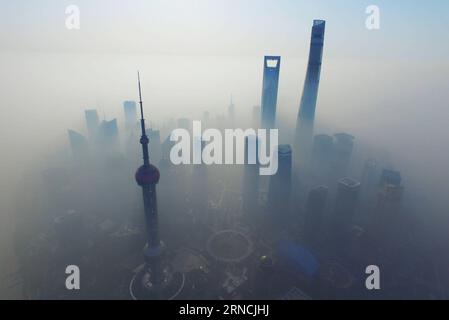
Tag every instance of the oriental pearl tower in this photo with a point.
(154, 280)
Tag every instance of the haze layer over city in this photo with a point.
(386, 87)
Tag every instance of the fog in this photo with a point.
(396, 108)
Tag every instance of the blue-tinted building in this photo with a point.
(109, 133)
(391, 177)
(92, 123)
(306, 116)
(272, 66)
(129, 108)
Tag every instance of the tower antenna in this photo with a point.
(140, 96)
(143, 139)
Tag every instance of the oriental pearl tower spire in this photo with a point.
(155, 279)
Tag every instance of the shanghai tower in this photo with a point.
(306, 116)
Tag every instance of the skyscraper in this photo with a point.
(129, 108)
(345, 204)
(155, 280)
(322, 151)
(199, 183)
(370, 180)
(78, 145)
(109, 133)
(390, 189)
(388, 213)
(343, 147)
(272, 65)
(281, 184)
(250, 188)
(314, 213)
(391, 177)
(92, 123)
(306, 116)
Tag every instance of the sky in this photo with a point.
(232, 27)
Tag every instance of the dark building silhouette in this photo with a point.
(391, 177)
(92, 123)
(369, 190)
(130, 110)
(250, 189)
(322, 152)
(199, 183)
(388, 213)
(314, 212)
(370, 180)
(78, 145)
(390, 189)
(323, 146)
(109, 133)
(345, 204)
(370, 174)
(280, 184)
(70, 231)
(264, 278)
(272, 65)
(343, 148)
(306, 116)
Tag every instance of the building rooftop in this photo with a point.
(349, 183)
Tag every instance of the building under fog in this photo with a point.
(270, 85)
(93, 124)
(109, 133)
(343, 149)
(78, 145)
(250, 185)
(279, 191)
(314, 212)
(306, 116)
(129, 108)
(345, 205)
